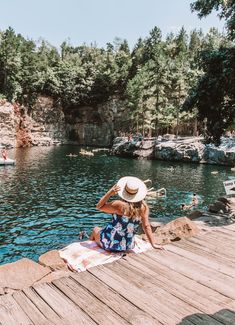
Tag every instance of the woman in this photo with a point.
(128, 213)
(4, 154)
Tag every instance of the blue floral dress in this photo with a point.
(118, 235)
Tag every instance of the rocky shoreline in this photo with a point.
(24, 273)
(47, 125)
(181, 149)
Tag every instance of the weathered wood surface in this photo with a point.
(191, 283)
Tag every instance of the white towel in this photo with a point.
(80, 256)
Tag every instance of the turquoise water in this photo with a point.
(47, 198)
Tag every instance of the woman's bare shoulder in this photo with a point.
(118, 203)
(118, 206)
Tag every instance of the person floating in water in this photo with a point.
(194, 200)
(185, 207)
(128, 213)
(4, 154)
(193, 203)
(82, 235)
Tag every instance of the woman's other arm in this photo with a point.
(148, 230)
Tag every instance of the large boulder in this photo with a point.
(224, 200)
(194, 214)
(52, 260)
(20, 274)
(134, 148)
(218, 206)
(54, 276)
(232, 204)
(180, 150)
(224, 154)
(175, 230)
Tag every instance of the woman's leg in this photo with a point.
(95, 235)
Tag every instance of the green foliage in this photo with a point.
(214, 95)
(226, 9)
(153, 79)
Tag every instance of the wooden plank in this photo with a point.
(232, 227)
(30, 309)
(178, 308)
(11, 313)
(228, 228)
(64, 307)
(227, 231)
(224, 234)
(96, 309)
(219, 236)
(231, 306)
(222, 237)
(201, 249)
(135, 295)
(185, 281)
(148, 281)
(203, 269)
(115, 301)
(195, 287)
(43, 307)
(203, 275)
(213, 246)
(203, 304)
(213, 272)
(141, 280)
(203, 260)
(199, 292)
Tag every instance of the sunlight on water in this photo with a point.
(48, 197)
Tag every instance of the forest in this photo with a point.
(164, 83)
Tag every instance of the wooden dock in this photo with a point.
(192, 283)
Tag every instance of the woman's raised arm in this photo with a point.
(110, 207)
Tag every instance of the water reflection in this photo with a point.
(48, 197)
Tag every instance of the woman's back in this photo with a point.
(119, 233)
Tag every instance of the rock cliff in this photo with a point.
(48, 123)
(181, 149)
(44, 125)
(9, 122)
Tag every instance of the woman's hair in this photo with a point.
(134, 210)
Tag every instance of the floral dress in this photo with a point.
(118, 235)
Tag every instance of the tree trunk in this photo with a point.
(195, 131)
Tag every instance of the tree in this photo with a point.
(10, 63)
(214, 95)
(226, 9)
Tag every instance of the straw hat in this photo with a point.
(132, 189)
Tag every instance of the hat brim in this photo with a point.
(139, 196)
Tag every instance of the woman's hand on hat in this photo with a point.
(114, 190)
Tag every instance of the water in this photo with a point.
(47, 197)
